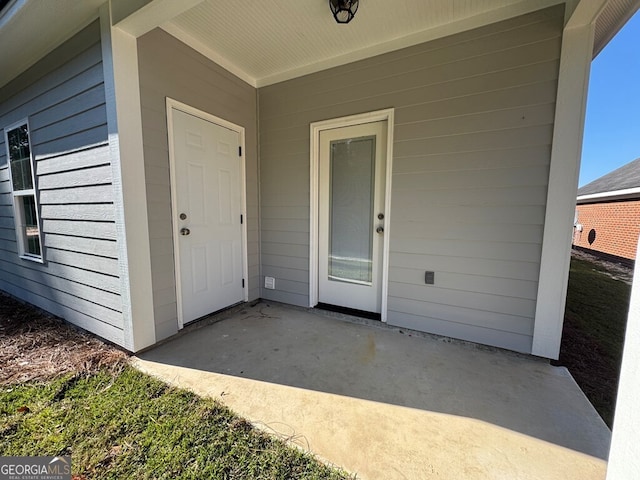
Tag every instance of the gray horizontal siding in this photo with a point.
(87, 322)
(472, 140)
(192, 79)
(63, 98)
(3, 152)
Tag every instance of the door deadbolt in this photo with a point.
(381, 216)
(183, 216)
(185, 231)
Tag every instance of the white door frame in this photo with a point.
(316, 128)
(174, 104)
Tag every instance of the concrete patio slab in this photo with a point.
(390, 404)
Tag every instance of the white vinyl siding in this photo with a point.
(63, 98)
(472, 139)
(194, 80)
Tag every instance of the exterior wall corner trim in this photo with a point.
(124, 122)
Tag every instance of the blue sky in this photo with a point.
(612, 128)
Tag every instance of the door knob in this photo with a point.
(185, 231)
(379, 229)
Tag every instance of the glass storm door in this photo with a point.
(351, 216)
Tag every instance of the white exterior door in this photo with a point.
(207, 209)
(351, 215)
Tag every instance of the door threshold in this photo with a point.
(349, 311)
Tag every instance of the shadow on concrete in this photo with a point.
(285, 345)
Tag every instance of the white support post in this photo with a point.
(624, 455)
(575, 65)
(124, 122)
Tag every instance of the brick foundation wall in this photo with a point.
(611, 228)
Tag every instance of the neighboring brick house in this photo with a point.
(608, 214)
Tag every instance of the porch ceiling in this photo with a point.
(267, 42)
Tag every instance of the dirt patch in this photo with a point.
(37, 346)
(617, 271)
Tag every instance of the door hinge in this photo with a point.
(241, 219)
(240, 151)
(243, 283)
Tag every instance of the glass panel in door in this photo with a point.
(351, 197)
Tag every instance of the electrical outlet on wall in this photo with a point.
(269, 283)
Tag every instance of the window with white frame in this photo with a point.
(24, 194)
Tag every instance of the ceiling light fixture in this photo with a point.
(344, 10)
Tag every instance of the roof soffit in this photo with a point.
(268, 42)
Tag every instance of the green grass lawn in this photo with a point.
(593, 335)
(129, 425)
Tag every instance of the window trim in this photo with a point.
(17, 211)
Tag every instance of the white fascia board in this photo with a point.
(154, 14)
(124, 123)
(586, 12)
(604, 41)
(613, 195)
